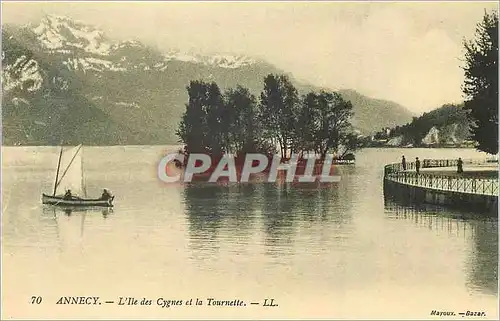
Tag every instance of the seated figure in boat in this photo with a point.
(68, 195)
(106, 195)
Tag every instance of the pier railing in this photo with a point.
(471, 185)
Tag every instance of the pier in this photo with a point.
(476, 189)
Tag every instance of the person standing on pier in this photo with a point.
(403, 162)
(460, 164)
(417, 165)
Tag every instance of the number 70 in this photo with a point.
(36, 299)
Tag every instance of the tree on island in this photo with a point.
(203, 126)
(305, 126)
(233, 122)
(481, 83)
(191, 129)
(335, 115)
(324, 124)
(215, 123)
(278, 103)
(244, 129)
(348, 145)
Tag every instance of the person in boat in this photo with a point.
(106, 195)
(68, 195)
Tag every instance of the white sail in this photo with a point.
(71, 172)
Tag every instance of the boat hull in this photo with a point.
(78, 202)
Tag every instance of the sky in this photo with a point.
(407, 52)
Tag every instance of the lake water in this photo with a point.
(334, 252)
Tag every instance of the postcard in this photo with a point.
(249, 160)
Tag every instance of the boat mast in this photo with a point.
(67, 168)
(57, 173)
(84, 188)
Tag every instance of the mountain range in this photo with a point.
(66, 81)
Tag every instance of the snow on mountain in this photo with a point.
(23, 74)
(90, 63)
(219, 60)
(126, 43)
(228, 61)
(59, 34)
(181, 56)
(63, 35)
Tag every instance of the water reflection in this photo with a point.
(230, 212)
(279, 211)
(197, 200)
(483, 258)
(68, 211)
(481, 232)
(210, 207)
(69, 223)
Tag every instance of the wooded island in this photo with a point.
(280, 121)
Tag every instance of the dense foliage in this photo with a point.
(448, 118)
(235, 122)
(481, 83)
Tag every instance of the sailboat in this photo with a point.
(69, 176)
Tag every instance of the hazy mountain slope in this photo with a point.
(374, 114)
(63, 79)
